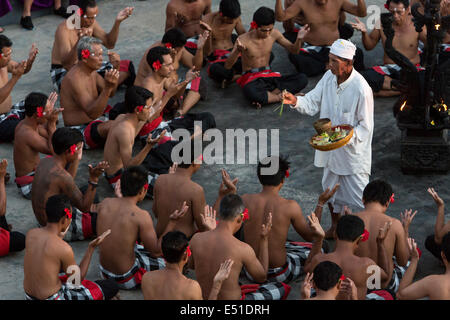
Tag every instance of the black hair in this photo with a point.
(377, 191)
(84, 4)
(156, 54)
(54, 208)
(132, 180)
(63, 138)
(405, 2)
(326, 275)
(230, 8)
(174, 245)
(273, 179)
(5, 42)
(189, 148)
(175, 37)
(34, 100)
(445, 246)
(264, 16)
(136, 96)
(230, 207)
(349, 228)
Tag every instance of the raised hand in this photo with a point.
(173, 168)
(348, 288)
(209, 218)
(227, 186)
(407, 217)
(202, 39)
(267, 226)
(191, 74)
(152, 142)
(436, 197)
(414, 253)
(114, 58)
(84, 32)
(303, 31)
(177, 214)
(111, 78)
(95, 172)
(327, 194)
(205, 26)
(382, 233)
(224, 271)
(19, 69)
(98, 241)
(358, 25)
(124, 14)
(289, 98)
(346, 211)
(306, 286)
(33, 53)
(240, 46)
(315, 226)
(117, 190)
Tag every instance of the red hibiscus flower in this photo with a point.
(68, 214)
(419, 252)
(386, 6)
(146, 186)
(188, 251)
(73, 148)
(245, 216)
(40, 111)
(156, 65)
(391, 200)
(365, 236)
(168, 45)
(253, 25)
(80, 12)
(85, 53)
(140, 108)
(342, 278)
(286, 174)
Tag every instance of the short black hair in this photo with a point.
(84, 4)
(132, 180)
(156, 54)
(136, 96)
(34, 100)
(54, 208)
(175, 37)
(63, 138)
(405, 2)
(377, 191)
(189, 148)
(445, 246)
(230, 207)
(326, 275)
(264, 16)
(273, 179)
(230, 8)
(349, 228)
(5, 42)
(174, 245)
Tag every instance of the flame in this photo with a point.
(403, 106)
(445, 107)
(432, 122)
(437, 26)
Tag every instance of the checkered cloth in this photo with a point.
(133, 277)
(389, 69)
(24, 184)
(296, 255)
(445, 47)
(266, 291)
(81, 226)
(380, 295)
(397, 275)
(17, 111)
(309, 48)
(88, 290)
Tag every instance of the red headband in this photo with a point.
(365, 236)
(245, 216)
(85, 53)
(73, 148)
(253, 25)
(188, 251)
(68, 214)
(40, 111)
(156, 65)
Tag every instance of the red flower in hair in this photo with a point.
(245, 216)
(156, 65)
(391, 200)
(140, 108)
(365, 236)
(146, 186)
(419, 252)
(40, 111)
(253, 25)
(73, 148)
(85, 53)
(68, 214)
(286, 174)
(188, 251)
(1, 56)
(342, 278)
(80, 12)
(168, 45)
(386, 6)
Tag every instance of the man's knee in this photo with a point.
(253, 95)
(108, 287)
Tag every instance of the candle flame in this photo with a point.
(432, 122)
(437, 26)
(403, 106)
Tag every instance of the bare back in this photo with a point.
(169, 285)
(5, 106)
(26, 158)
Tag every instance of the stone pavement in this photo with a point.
(231, 111)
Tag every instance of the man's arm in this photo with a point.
(289, 13)
(293, 48)
(198, 205)
(109, 39)
(234, 55)
(309, 103)
(439, 228)
(408, 290)
(318, 235)
(369, 40)
(383, 262)
(239, 27)
(31, 57)
(148, 236)
(358, 9)
(221, 276)
(16, 71)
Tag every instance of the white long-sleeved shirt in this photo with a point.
(351, 102)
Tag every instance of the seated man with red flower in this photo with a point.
(286, 258)
(260, 84)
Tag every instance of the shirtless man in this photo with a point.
(286, 258)
(211, 248)
(170, 283)
(350, 232)
(171, 190)
(433, 287)
(85, 94)
(69, 33)
(406, 41)
(10, 115)
(119, 144)
(47, 254)
(122, 259)
(221, 41)
(186, 15)
(377, 196)
(434, 241)
(56, 175)
(10, 241)
(322, 17)
(174, 40)
(261, 85)
(33, 135)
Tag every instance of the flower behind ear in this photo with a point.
(253, 25)
(156, 65)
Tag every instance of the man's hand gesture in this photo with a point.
(327, 194)
(19, 69)
(98, 241)
(358, 25)
(315, 226)
(178, 214)
(153, 142)
(240, 47)
(95, 172)
(267, 226)
(407, 217)
(227, 186)
(114, 58)
(306, 286)
(303, 31)
(209, 218)
(124, 14)
(382, 233)
(32, 54)
(111, 78)
(437, 199)
(224, 271)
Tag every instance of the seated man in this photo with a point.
(10, 115)
(68, 35)
(186, 15)
(286, 258)
(433, 287)
(47, 255)
(322, 18)
(118, 151)
(211, 248)
(377, 197)
(328, 281)
(383, 79)
(350, 232)
(260, 84)
(33, 135)
(10, 241)
(221, 41)
(56, 175)
(170, 283)
(85, 94)
(171, 190)
(434, 242)
(122, 256)
(174, 40)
